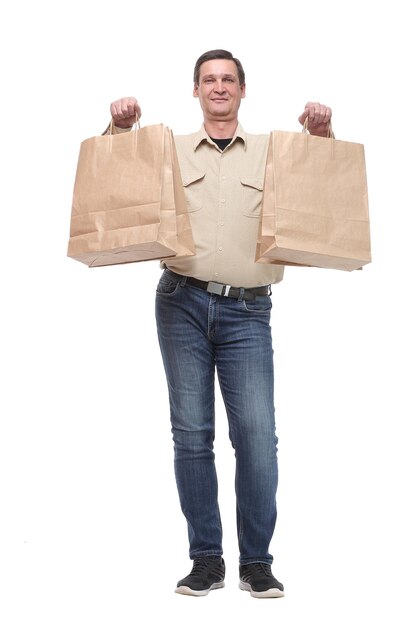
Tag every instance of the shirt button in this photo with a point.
(216, 273)
(221, 224)
(222, 200)
(220, 248)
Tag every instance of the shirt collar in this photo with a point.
(203, 136)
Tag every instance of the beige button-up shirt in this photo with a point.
(224, 193)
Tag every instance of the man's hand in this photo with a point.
(319, 116)
(124, 112)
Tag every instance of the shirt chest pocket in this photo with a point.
(193, 186)
(252, 192)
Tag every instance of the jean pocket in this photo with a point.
(261, 304)
(167, 286)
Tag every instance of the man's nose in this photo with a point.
(219, 86)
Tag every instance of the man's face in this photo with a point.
(218, 90)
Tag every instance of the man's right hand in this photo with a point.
(124, 112)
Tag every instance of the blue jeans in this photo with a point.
(199, 333)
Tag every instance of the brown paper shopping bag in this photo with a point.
(128, 204)
(315, 203)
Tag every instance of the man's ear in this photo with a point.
(243, 90)
(195, 90)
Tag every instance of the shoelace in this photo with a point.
(200, 565)
(261, 568)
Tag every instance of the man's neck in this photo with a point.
(220, 129)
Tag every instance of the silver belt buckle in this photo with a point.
(217, 288)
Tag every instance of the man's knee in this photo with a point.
(193, 444)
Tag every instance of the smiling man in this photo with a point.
(220, 91)
(213, 315)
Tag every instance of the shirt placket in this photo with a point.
(221, 215)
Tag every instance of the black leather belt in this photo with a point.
(226, 290)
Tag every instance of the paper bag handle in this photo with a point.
(135, 128)
(112, 124)
(330, 133)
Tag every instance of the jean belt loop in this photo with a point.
(241, 294)
(183, 281)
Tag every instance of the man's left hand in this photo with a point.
(319, 116)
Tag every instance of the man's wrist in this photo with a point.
(116, 130)
(120, 129)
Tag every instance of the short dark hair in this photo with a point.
(218, 54)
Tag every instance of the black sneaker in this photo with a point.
(207, 574)
(258, 579)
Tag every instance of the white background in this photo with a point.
(91, 530)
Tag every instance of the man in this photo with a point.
(213, 313)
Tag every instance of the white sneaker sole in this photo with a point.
(187, 591)
(269, 593)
